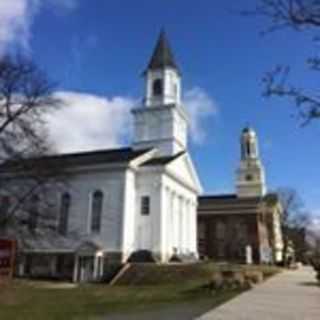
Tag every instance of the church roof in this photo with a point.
(232, 204)
(101, 156)
(162, 55)
(163, 160)
(108, 156)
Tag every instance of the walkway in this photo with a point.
(291, 295)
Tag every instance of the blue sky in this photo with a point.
(99, 49)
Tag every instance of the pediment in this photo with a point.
(183, 169)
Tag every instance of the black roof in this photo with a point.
(102, 156)
(122, 155)
(232, 204)
(162, 55)
(163, 160)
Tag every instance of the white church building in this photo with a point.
(142, 197)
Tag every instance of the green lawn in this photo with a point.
(28, 300)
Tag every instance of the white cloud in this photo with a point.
(16, 17)
(315, 225)
(14, 22)
(88, 122)
(200, 107)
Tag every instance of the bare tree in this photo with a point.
(295, 222)
(300, 16)
(26, 173)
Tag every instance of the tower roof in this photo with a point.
(162, 55)
(248, 130)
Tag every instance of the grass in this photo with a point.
(25, 300)
(153, 274)
(31, 300)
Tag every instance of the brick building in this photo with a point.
(245, 226)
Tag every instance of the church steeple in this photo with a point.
(162, 55)
(250, 175)
(161, 122)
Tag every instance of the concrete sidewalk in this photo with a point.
(291, 295)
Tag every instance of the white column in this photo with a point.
(185, 227)
(128, 219)
(194, 227)
(22, 264)
(95, 267)
(75, 268)
(180, 226)
(167, 225)
(101, 266)
(191, 229)
(164, 214)
(171, 223)
(175, 214)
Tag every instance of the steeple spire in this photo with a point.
(162, 55)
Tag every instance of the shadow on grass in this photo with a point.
(179, 311)
(310, 284)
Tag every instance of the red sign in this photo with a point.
(7, 255)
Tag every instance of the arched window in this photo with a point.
(96, 211)
(157, 88)
(175, 90)
(33, 212)
(4, 205)
(241, 232)
(64, 213)
(248, 148)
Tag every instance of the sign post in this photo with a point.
(7, 259)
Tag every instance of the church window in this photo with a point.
(64, 213)
(249, 177)
(4, 205)
(241, 232)
(96, 211)
(220, 230)
(175, 90)
(157, 87)
(145, 205)
(248, 148)
(33, 213)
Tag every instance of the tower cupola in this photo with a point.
(249, 144)
(162, 76)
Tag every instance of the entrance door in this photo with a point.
(86, 269)
(144, 235)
